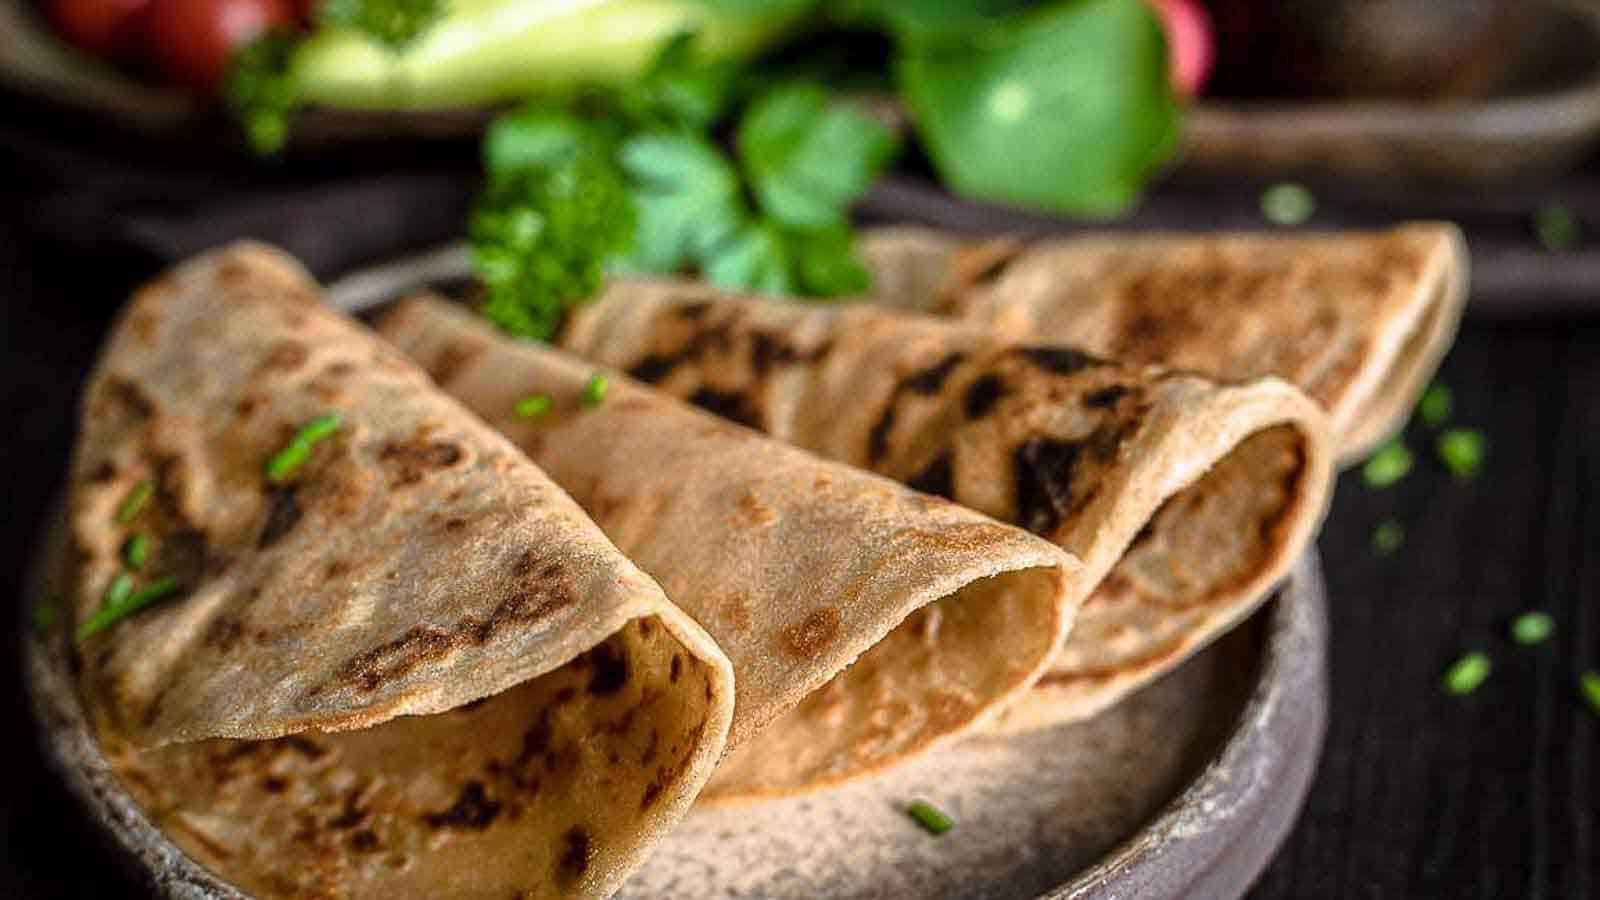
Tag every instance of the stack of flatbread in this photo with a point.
(426, 610)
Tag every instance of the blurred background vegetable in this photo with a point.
(722, 139)
(1061, 105)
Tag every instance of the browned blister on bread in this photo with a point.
(1186, 499)
(1358, 320)
(866, 622)
(403, 661)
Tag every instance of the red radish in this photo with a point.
(193, 40)
(105, 27)
(1191, 44)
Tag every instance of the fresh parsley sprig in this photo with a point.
(555, 211)
(635, 180)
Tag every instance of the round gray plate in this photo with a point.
(1183, 790)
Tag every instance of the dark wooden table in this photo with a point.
(1418, 795)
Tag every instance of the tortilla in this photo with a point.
(1185, 499)
(507, 686)
(1358, 320)
(799, 567)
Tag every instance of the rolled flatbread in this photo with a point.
(519, 710)
(1185, 499)
(1358, 320)
(865, 621)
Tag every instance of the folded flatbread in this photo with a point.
(799, 567)
(1185, 499)
(519, 710)
(1357, 320)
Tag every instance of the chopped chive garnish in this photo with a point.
(1388, 465)
(44, 615)
(930, 817)
(1556, 226)
(135, 501)
(595, 390)
(533, 406)
(135, 550)
(1436, 405)
(1287, 204)
(1589, 685)
(1462, 451)
(1466, 674)
(112, 614)
(1532, 628)
(283, 464)
(1388, 537)
(118, 590)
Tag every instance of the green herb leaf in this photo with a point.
(756, 259)
(594, 392)
(1066, 106)
(809, 158)
(1436, 405)
(927, 19)
(44, 615)
(679, 91)
(118, 590)
(112, 613)
(134, 501)
(686, 194)
(1556, 227)
(261, 90)
(826, 263)
(555, 211)
(1466, 674)
(136, 550)
(533, 406)
(930, 817)
(1462, 451)
(286, 462)
(1388, 537)
(393, 23)
(534, 137)
(1288, 204)
(1532, 628)
(1391, 463)
(1589, 686)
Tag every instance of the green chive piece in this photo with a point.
(1532, 628)
(1462, 451)
(136, 550)
(533, 406)
(1589, 685)
(44, 615)
(930, 817)
(1388, 537)
(135, 501)
(118, 590)
(1436, 405)
(1390, 464)
(1288, 204)
(1466, 674)
(110, 615)
(283, 464)
(1556, 227)
(595, 390)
